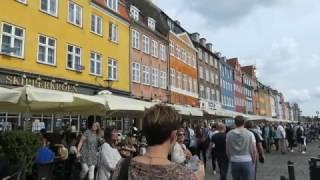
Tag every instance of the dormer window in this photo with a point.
(113, 5)
(134, 13)
(151, 23)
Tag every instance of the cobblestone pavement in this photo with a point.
(276, 165)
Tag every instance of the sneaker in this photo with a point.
(214, 172)
(303, 152)
(292, 150)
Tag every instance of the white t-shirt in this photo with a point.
(281, 133)
(177, 154)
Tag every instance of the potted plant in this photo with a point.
(20, 148)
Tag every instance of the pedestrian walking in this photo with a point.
(160, 124)
(218, 141)
(301, 138)
(290, 137)
(267, 136)
(203, 141)
(88, 148)
(241, 150)
(281, 136)
(258, 139)
(109, 155)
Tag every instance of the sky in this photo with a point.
(279, 37)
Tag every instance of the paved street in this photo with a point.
(276, 165)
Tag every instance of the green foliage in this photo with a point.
(20, 147)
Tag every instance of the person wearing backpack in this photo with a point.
(300, 138)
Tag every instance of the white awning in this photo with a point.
(9, 95)
(119, 103)
(188, 111)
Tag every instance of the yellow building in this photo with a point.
(78, 45)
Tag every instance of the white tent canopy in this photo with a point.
(188, 111)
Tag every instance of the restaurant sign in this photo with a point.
(13, 80)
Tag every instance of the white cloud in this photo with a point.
(280, 37)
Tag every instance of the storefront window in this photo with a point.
(42, 121)
(9, 122)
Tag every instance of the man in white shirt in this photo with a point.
(281, 135)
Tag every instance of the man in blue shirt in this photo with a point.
(44, 155)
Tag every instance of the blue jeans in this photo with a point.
(242, 170)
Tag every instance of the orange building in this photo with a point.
(183, 67)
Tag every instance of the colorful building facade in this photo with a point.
(149, 47)
(226, 85)
(240, 86)
(88, 54)
(208, 73)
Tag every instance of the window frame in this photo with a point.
(47, 46)
(94, 31)
(163, 80)
(145, 44)
(74, 13)
(13, 36)
(134, 13)
(136, 72)
(114, 69)
(154, 48)
(152, 23)
(135, 42)
(73, 68)
(95, 63)
(47, 11)
(146, 75)
(155, 76)
(23, 1)
(113, 32)
(114, 6)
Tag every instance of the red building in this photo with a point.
(251, 72)
(239, 97)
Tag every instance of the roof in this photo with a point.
(148, 9)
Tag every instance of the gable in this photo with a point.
(186, 39)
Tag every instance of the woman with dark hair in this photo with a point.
(108, 156)
(160, 124)
(87, 150)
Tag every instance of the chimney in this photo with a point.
(209, 46)
(195, 37)
(177, 22)
(203, 42)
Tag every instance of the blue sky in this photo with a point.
(280, 37)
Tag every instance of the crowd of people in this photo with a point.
(168, 148)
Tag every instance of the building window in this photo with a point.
(134, 13)
(171, 48)
(178, 54)
(154, 48)
(163, 53)
(173, 77)
(96, 24)
(95, 63)
(195, 86)
(200, 53)
(12, 40)
(47, 50)
(135, 39)
(163, 80)
(151, 23)
(155, 78)
(183, 55)
(212, 77)
(194, 61)
(74, 58)
(113, 5)
(202, 93)
(200, 72)
(185, 82)
(112, 69)
(179, 76)
(22, 1)
(113, 32)
(208, 93)
(146, 75)
(146, 44)
(190, 85)
(211, 60)
(75, 14)
(213, 95)
(207, 75)
(136, 72)
(206, 57)
(49, 6)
